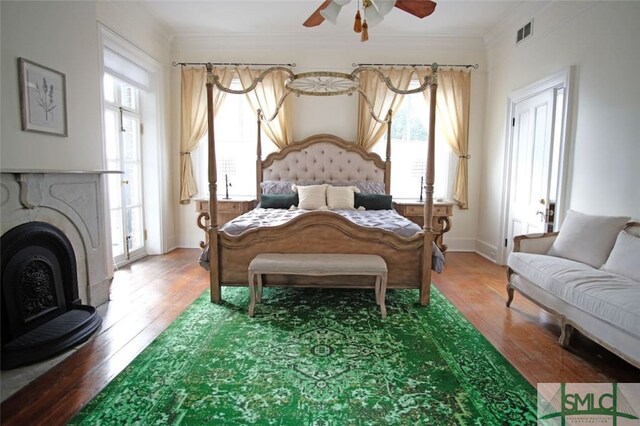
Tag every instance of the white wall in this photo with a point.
(337, 115)
(64, 36)
(61, 36)
(601, 40)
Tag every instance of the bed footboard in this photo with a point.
(408, 261)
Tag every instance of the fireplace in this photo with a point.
(41, 312)
(55, 261)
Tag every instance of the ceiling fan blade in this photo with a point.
(316, 19)
(419, 8)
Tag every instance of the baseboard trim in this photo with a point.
(460, 244)
(486, 250)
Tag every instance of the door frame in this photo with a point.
(157, 186)
(558, 80)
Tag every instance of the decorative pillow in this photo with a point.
(586, 238)
(276, 187)
(364, 187)
(311, 197)
(373, 201)
(278, 201)
(341, 197)
(371, 187)
(625, 257)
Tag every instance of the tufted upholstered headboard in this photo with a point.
(324, 158)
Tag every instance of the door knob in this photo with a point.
(543, 201)
(125, 182)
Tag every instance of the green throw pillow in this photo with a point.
(373, 201)
(278, 201)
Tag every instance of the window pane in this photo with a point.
(235, 149)
(109, 88)
(134, 228)
(132, 188)
(115, 197)
(116, 233)
(129, 96)
(111, 130)
(409, 139)
(130, 139)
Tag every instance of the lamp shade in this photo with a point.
(330, 13)
(383, 6)
(372, 16)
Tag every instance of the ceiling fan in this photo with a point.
(373, 11)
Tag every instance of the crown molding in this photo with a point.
(209, 43)
(139, 11)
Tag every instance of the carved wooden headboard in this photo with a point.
(323, 159)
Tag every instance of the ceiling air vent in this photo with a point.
(525, 32)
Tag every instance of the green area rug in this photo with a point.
(317, 357)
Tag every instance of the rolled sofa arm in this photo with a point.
(534, 243)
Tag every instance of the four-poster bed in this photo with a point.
(322, 158)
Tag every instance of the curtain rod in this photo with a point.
(474, 66)
(175, 64)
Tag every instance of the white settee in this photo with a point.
(589, 275)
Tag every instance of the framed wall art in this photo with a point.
(43, 99)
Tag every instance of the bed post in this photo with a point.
(425, 288)
(214, 278)
(387, 163)
(259, 157)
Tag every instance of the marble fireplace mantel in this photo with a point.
(72, 201)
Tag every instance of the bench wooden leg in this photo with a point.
(382, 294)
(259, 288)
(252, 293)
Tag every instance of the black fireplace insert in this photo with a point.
(41, 310)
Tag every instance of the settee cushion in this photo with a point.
(587, 238)
(612, 298)
(625, 257)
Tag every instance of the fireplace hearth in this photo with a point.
(41, 310)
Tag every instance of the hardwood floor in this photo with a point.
(148, 295)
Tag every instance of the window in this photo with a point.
(235, 131)
(123, 153)
(409, 134)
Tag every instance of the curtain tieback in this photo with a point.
(466, 157)
(185, 153)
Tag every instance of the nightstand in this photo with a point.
(228, 209)
(442, 212)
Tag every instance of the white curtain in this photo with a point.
(452, 122)
(265, 97)
(382, 98)
(193, 120)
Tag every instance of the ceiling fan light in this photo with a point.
(383, 6)
(331, 12)
(372, 16)
(357, 24)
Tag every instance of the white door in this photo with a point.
(531, 165)
(123, 151)
(536, 159)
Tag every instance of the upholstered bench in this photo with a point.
(317, 264)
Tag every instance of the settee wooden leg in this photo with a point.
(565, 335)
(510, 291)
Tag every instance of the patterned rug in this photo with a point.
(316, 357)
